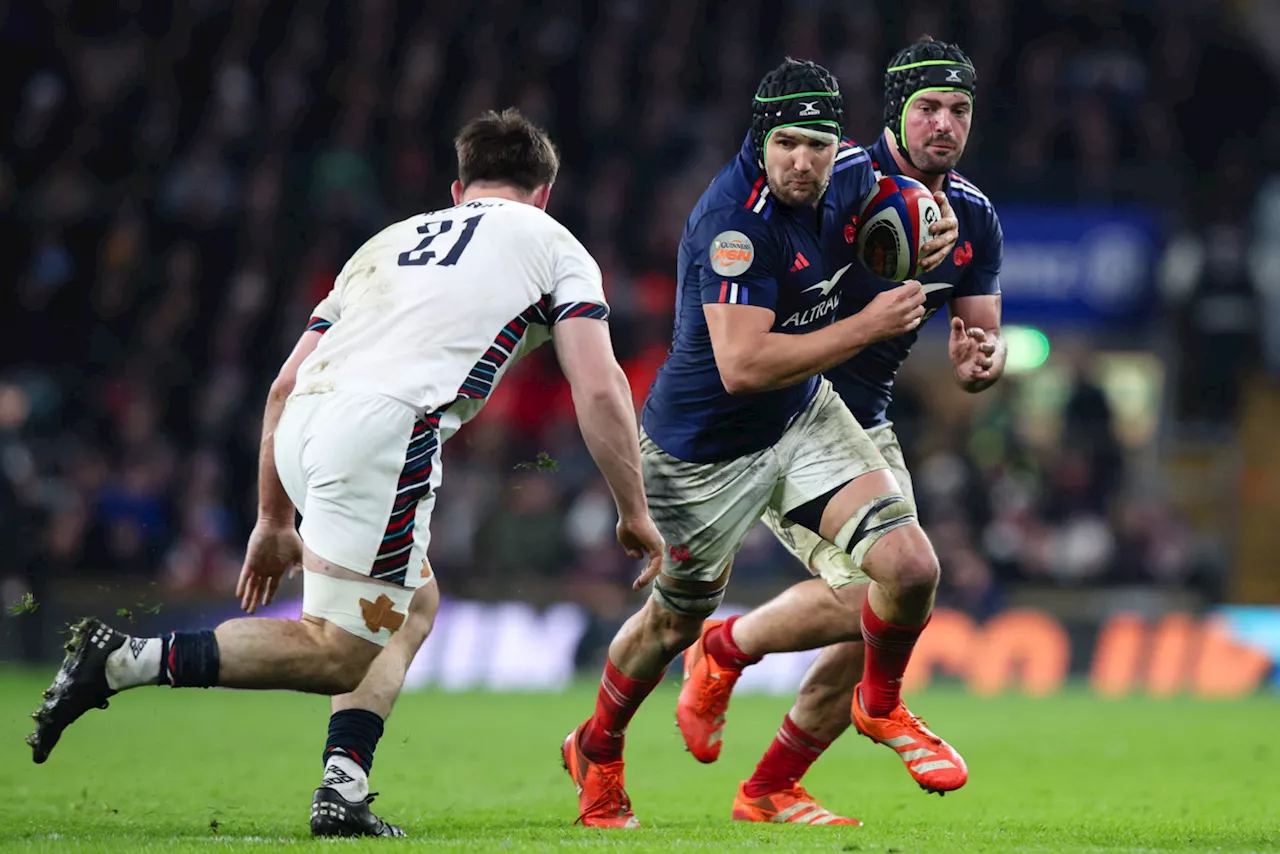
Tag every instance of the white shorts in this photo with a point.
(823, 558)
(704, 510)
(362, 469)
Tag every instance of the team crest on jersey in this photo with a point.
(731, 253)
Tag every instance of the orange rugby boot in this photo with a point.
(932, 763)
(602, 799)
(789, 806)
(704, 698)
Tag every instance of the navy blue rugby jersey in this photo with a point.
(865, 382)
(740, 246)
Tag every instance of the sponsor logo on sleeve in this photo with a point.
(731, 253)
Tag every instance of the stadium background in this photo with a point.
(180, 182)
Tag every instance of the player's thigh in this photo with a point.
(824, 558)
(824, 449)
(371, 467)
(794, 537)
(821, 557)
(886, 442)
(838, 485)
(704, 510)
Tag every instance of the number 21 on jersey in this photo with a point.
(431, 230)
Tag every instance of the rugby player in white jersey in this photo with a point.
(421, 324)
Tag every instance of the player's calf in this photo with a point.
(636, 662)
(311, 655)
(818, 717)
(340, 806)
(893, 618)
(822, 704)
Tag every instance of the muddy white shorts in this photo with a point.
(704, 510)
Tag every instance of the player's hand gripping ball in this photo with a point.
(893, 223)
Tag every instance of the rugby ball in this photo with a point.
(893, 223)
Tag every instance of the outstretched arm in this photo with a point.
(607, 419)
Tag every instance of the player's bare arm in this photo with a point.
(751, 358)
(602, 399)
(274, 546)
(976, 347)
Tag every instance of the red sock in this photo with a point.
(888, 651)
(786, 761)
(721, 647)
(616, 704)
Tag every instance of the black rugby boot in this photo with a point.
(334, 815)
(81, 684)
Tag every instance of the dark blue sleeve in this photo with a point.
(983, 275)
(852, 178)
(738, 264)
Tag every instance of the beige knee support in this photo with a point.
(873, 520)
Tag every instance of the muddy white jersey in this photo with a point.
(432, 311)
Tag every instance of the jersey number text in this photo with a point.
(420, 254)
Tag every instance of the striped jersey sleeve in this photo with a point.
(578, 287)
(329, 309)
(570, 310)
(737, 266)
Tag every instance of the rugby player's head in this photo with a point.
(505, 150)
(795, 127)
(929, 90)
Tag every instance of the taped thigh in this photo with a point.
(366, 609)
(872, 521)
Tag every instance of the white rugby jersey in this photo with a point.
(431, 311)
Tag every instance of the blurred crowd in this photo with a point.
(181, 182)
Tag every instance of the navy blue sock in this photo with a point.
(354, 733)
(189, 659)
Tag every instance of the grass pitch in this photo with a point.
(174, 770)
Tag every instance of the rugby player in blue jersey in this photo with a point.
(929, 90)
(739, 421)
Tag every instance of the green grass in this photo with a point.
(480, 772)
